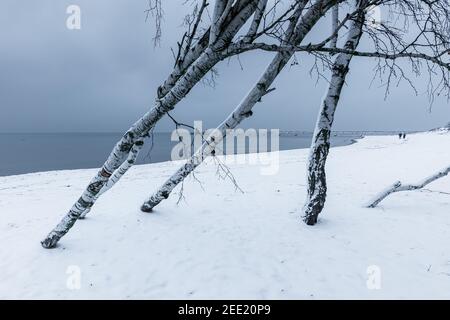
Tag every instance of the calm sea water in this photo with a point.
(26, 153)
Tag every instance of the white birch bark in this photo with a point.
(295, 33)
(398, 186)
(224, 15)
(320, 146)
(219, 9)
(259, 13)
(334, 25)
(208, 59)
(118, 174)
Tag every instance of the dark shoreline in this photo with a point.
(24, 153)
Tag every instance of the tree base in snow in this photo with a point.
(314, 205)
(51, 241)
(310, 220)
(146, 208)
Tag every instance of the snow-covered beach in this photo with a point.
(220, 243)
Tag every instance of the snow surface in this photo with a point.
(220, 243)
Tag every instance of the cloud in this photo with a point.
(104, 76)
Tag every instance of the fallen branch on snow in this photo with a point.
(398, 186)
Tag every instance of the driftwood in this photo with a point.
(398, 186)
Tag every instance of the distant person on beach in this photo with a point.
(400, 135)
(404, 135)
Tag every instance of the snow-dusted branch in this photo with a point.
(398, 186)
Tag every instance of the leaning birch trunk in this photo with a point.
(206, 61)
(320, 146)
(398, 186)
(334, 25)
(294, 35)
(131, 160)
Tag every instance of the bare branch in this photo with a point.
(398, 186)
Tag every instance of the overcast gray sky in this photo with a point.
(103, 77)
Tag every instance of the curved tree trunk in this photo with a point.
(320, 146)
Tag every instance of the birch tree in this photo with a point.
(423, 41)
(188, 71)
(299, 26)
(317, 184)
